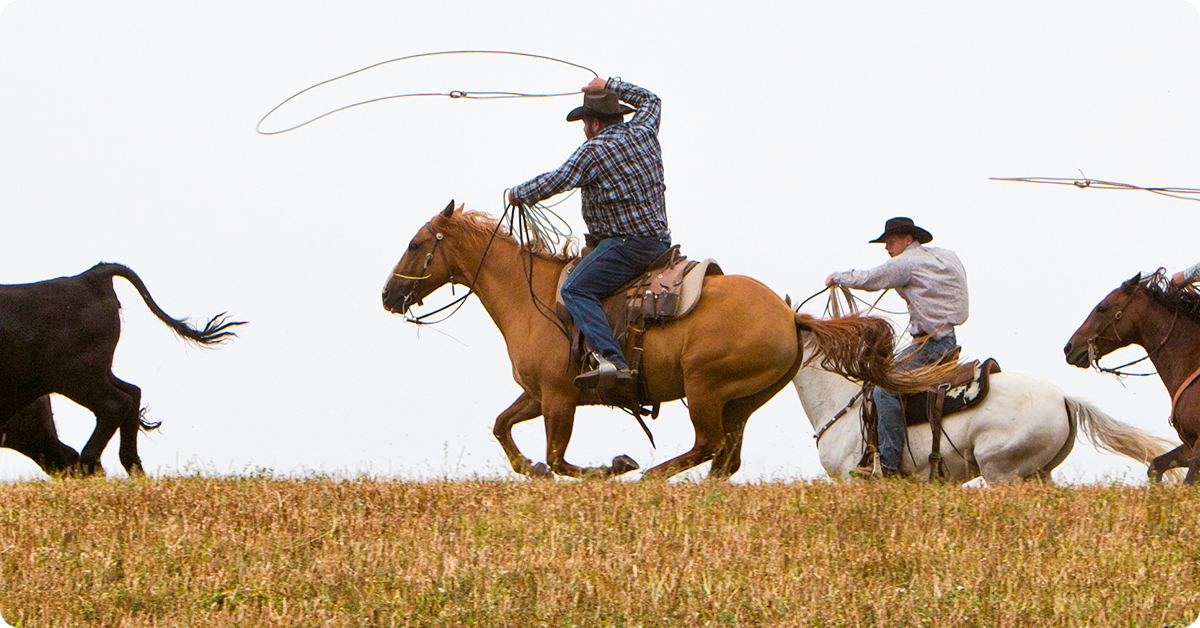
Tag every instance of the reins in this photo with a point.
(534, 231)
(453, 94)
(1116, 371)
(457, 303)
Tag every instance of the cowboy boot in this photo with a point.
(605, 376)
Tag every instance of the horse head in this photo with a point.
(425, 266)
(1112, 324)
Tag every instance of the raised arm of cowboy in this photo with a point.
(648, 112)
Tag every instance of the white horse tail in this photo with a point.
(1109, 434)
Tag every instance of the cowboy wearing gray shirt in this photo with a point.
(933, 283)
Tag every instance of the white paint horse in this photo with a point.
(1023, 429)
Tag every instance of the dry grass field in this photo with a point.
(257, 551)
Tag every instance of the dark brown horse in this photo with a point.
(59, 336)
(1165, 321)
(738, 347)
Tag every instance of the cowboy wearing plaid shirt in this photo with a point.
(620, 172)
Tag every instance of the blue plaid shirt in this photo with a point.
(619, 170)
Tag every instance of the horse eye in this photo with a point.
(412, 246)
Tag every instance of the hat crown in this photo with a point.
(902, 225)
(601, 102)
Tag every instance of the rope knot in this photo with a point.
(458, 93)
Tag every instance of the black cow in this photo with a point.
(31, 432)
(59, 336)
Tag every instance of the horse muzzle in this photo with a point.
(399, 302)
(1077, 355)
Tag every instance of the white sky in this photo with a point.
(791, 131)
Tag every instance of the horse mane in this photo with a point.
(482, 226)
(1184, 299)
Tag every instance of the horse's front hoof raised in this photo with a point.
(541, 470)
(623, 464)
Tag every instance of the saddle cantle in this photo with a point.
(668, 289)
(966, 389)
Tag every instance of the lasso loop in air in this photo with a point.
(456, 94)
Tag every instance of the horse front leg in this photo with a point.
(1177, 457)
(521, 410)
(560, 423)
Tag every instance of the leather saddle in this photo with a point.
(668, 289)
(965, 389)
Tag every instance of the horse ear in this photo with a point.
(449, 209)
(1129, 285)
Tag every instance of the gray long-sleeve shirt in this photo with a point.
(931, 280)
(1191, 274)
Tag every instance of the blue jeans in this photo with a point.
(612, 264)
(891, 427)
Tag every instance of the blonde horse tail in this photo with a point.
(1108, 434)
(860, 348)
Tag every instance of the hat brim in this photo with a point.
(577, 113)
(920, 235)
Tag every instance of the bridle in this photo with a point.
(1093, 354)
(438, 237)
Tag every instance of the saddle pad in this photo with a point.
(965, 392)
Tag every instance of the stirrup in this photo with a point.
(869, 471)
(605, 376)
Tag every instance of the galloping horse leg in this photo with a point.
(729, 459)
(710, 439)
(734, 418)
(1177, 457)
(1193, 474)
(560, 422)
(521, 410)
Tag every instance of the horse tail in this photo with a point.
(215, 331)
(860, 348)
(1108, 434)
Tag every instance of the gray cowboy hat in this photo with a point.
(902, 226)
(599, 101)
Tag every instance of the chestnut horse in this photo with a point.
(1149, 312)
(738, 347)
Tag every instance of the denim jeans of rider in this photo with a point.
(612, 264)
(892, 430)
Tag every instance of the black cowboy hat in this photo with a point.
(902, 226)
(601, 102)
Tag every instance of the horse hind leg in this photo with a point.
(734, 418)
(710, 440)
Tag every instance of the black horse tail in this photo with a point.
(216, 330)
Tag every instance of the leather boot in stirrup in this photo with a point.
(605, 376)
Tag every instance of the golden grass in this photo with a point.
(256, 551)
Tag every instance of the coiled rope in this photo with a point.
(458, 93)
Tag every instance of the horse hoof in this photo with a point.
(541, 470)
(623, 464)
